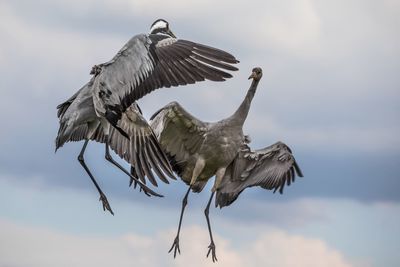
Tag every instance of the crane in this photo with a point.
(145, 63)
(200, 150)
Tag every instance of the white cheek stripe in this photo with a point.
(160, 24)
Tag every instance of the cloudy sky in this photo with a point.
(330, 90)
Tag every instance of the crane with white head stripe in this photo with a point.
(104, 109)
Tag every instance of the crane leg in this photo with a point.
(147, 190)
(103, 198)
(175, 245)
(211, 247)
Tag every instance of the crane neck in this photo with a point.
(241, 113)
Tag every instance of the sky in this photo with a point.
(330, 91)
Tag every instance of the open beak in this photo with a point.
(253, 74)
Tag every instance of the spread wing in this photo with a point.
(271, 168)
(142, 150)
(179, 133)
(149, 62)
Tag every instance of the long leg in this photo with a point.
(144, 187)
(103, 197)
(211, 247)
(175, 245)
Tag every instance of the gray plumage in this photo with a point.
(200, 150)
(272, 168)
(149, 62)
(78, 121)
(102, 109)
(142, 143)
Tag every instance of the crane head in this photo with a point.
(161, 26)
(256, 74)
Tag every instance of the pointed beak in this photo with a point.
(253, 74)
(171, 33)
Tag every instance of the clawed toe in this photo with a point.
(211, 249)
(135, 183)
(175, 247)
(106, 205)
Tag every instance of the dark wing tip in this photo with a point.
(298, 170)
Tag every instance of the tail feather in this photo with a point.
(61, 137)
(64, 134)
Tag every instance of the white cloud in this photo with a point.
(33, 246)
(277, 248)
(143, 230)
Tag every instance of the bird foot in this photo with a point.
(134, 183)
(106, 205)
(149, 194)
(175, 246)
(211, 248)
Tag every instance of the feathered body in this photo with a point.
(210, 142)
(199, 150)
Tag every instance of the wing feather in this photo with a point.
(271, 168)
(149, 62)
(142, 150)
(179, 133)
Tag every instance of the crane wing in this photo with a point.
(179, 133)
(271, 168)
(142, 150)
(81, 101)
(149, 62)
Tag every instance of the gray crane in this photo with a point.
(102, 109)
(199, 150)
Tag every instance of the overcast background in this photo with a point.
(330, 91)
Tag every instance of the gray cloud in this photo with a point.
(329, 89)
